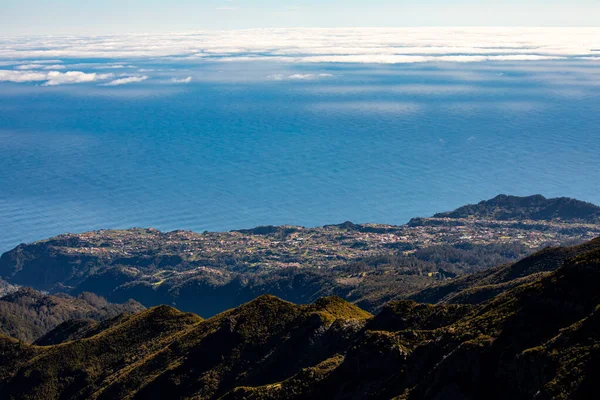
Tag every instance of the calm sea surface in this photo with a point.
(238, 147)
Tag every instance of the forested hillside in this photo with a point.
(542, 336)
(27, 314)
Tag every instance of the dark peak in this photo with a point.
(509, 199)
(266, 306)
(324, 302)
(268, 315)
(256, 320)
(364, 228)
(260, 311)
(93, 299)
(66, 331)
(162, 311)
(535, 207)
(408, 314)
(347, 225)
(260, 230)
(269, 230)
(150, 322)
(24, 294)
(404, 306)
(264, 302)
(337, 308)
(175, 232)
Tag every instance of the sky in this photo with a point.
(41, 17)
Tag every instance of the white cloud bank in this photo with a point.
(52, 78)
(299, 77)
(356, 45)
(181, 80)
(39, 66)
(22, 76)
(60, 78)
(127, 80)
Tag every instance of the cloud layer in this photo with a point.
(52, 78)
(56, 60)
(358, 45)
(181, 80)
(126, 80)
(299, 77)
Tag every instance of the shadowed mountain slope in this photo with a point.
(541, 336)
(482, 286)
(28, 314)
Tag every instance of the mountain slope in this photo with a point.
(6, 288)
(541, 336)
(482, 286)
(186, 356)
(537, 208)
(27, 314)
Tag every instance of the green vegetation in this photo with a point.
(27, 314)
(479, 287)
(537, 338)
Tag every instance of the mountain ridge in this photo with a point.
(542, 336)
(536, 207)
(481, 286)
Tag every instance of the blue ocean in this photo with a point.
(249, 143)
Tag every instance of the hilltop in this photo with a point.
(207, 273)
(536, 208)
(542, 336)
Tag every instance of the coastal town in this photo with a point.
(369, 264)
(327, 246)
